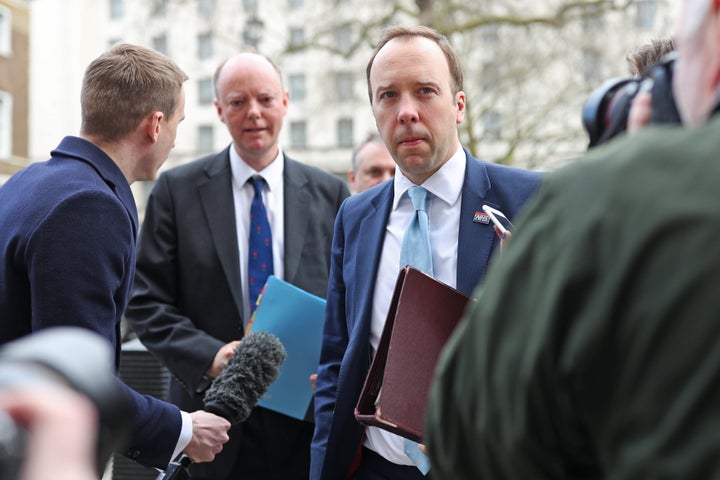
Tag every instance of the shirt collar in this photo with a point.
(272, 174)
(446, 183)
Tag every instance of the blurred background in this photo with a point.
(529, 65)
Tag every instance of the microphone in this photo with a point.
(246, 377)
(233, 394)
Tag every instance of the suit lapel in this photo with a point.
(216, 198)
(475, 240)
(297, 215)
(371, 237)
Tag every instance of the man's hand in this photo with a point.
(640, 112)
(221, 358)
(313, 381)
(62, 432)
(208, 437)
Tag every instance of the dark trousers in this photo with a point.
(376, 467)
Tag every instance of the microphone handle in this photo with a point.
(178, 469)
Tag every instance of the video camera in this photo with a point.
(605, 112)
(66, 357)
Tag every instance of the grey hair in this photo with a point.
(371, 138)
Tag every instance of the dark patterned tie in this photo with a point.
(260, 257)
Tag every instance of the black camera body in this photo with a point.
(66, 357)
(605, 112)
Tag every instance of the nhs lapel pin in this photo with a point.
(481, 217)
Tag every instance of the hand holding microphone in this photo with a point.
(235, 392)
(247, 376)
(222, 357)
(208, 437)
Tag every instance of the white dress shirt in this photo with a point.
(443, 208)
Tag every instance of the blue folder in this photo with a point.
(296, 317)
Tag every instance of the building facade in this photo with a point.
(525, 81)
(14, 85)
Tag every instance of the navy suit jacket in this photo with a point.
(187, 299)
(67, 241)
(359, 235)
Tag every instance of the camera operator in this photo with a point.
(627, 104)
(648, 55)
(640, 61)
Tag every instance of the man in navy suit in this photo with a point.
(68, 228)
(415, 87)
(190, 303)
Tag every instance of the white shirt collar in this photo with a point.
(272, 174)
(446, 183)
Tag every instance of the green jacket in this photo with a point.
(593, 350)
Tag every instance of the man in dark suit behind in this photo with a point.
(190, 302)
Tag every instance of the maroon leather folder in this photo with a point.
(423, 313)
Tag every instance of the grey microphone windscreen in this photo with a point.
(247, 376)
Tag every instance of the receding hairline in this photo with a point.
(237, 58)
(408, 33)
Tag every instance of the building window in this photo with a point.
(297, 37)
(253, 31)
(345, 85)
(206, 7)
(344, 37)
(297, 87)
(5, 31)
(117, 9)
(250, 5)
(204, 46)
(5, 124)
(645, 15)
(295, 4)
(298, 134)
(205, 138)
(345, 132)
(492, 125)
(160, 43)
(206, 94)
(158, 8)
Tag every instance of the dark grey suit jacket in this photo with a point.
(186, 300)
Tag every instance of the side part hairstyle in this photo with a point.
(124, 85)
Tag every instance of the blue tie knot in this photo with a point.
(258, 184)
(416, 249)
(418, 195)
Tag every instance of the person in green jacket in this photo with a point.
(592, 349)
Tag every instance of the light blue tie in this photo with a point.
(416, 249)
